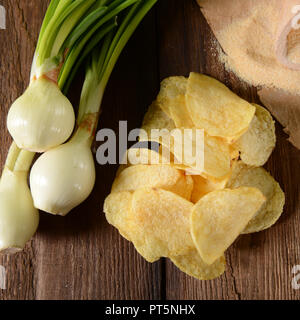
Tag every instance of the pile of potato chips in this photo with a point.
(193, 219)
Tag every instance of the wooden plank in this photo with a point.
(259, 266)
(17, 47)
(80, 256)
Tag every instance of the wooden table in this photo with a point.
(81, 256)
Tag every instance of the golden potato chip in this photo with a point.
(234, 151)
(216, 157)
(160, 223)
(148, 156)
(216, 109)
(259, 178)
(203, 186)
(154, 176)
(117, 207)
(135, 156)
(180, 115)
(257, 144)
(171, 100)
(170, 89)
(192, 264)
(219, 217)
(155, 118)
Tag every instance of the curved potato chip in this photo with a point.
(219, 217)
(117, 208)
(216, 109)
(149, 156)
(259, 178)
(154, 176)
(180, 115)
(192, 264)
(170, 89)
(257, 144)
(136, 156)
(203, 186)
(155, 118)
(160, 224)
(217, 157)
(171, 100)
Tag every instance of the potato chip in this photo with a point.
(155, 118)
(217, 157)
(180, 115)
(219, 217)
(170, 89)
(154, 176)
(135, 156)
(257, 144)
(160, 224)
(259, 178)
(117, 207)
(192, 264)
(171, 100)
(203, 186)
(149, 156)
(234, 152)
(216, 109)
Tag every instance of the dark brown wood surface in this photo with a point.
(81, 256)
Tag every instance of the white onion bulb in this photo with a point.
(42, 118)
(62, 178)
(18, 217)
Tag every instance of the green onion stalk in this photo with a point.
(43, 118)
(63, 177)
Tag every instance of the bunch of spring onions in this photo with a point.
(43, 118)
(63, 177)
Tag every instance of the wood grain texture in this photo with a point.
(81, 256)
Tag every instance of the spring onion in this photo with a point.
(19, 219)
(63, 177)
